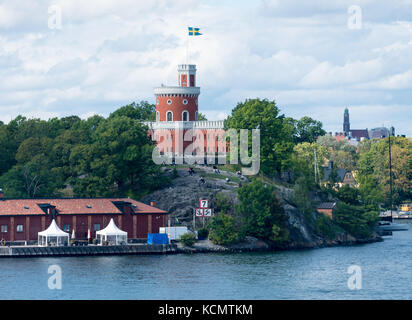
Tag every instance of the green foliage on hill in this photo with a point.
(373, 170)
(260, 212)
(223, 230)
(357, 220)
(96, 157)
(188, 239)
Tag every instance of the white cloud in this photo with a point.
(109, 53)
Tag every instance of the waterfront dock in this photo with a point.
(90, 250)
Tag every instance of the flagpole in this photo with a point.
(187, 49)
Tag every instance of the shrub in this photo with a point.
(261, 213)
(357, 220)
(202, 233)
(324, 227)
(222, 230)
(188, 239)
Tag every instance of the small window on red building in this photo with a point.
(183, 80)
(66, 227)
(19, 228)
(96, 227)
(4, 228)
(192, 80)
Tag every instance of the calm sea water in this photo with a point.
(305, 274)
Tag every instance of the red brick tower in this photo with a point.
(178, 103)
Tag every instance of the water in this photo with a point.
(303, 274)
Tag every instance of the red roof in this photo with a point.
(72, 206)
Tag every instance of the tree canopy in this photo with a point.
(70, 156)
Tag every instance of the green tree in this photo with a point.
(348, 195)
(276, 134)
(260, 210)
(373, 170)
(222, 230)
(201, 117)
(307, 130)
(357, 220)
(142, 111)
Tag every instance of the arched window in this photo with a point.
(157, 116)
(196, 117)
(185, 116)
(169, 116)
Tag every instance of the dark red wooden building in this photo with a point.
(22, 219)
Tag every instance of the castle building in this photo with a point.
(356, 135)
(177, 129)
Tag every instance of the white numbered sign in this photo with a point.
(199, 212)
(204, 204)
(207, 212)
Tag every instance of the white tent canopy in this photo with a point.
(111, 235)
(53, 235)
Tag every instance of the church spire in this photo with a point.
(346, 123)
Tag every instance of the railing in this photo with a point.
(217, 124)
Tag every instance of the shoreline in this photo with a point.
(256, 245)
(202, 246)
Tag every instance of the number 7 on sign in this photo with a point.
(204, 204)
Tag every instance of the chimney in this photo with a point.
(152, 203)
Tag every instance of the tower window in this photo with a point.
(169, 116)
(185, 102)
(169, 102)
(185, 116)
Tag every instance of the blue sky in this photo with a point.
(300, 53)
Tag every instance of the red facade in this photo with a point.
(22, 219)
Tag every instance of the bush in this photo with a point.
(357, 220)
(222, 230)
(261, 214)
(202, 233)
(324, 227)
(188, 239)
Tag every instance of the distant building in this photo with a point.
(327, 209)
(344, 177)
(354, 136)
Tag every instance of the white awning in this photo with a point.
(53, 231)
(111, 230)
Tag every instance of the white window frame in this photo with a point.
(167, 118)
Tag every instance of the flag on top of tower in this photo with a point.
(194, 31)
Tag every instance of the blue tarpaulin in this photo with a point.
(157, 238)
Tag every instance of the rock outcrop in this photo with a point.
(182, 197)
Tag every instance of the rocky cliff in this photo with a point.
(182, 197)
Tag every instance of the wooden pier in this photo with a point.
(90, 250)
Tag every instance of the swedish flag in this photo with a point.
(194, 31)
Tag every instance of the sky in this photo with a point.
(314, 58)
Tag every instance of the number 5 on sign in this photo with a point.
(204, 204)
(199, 212)
(207, 212)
